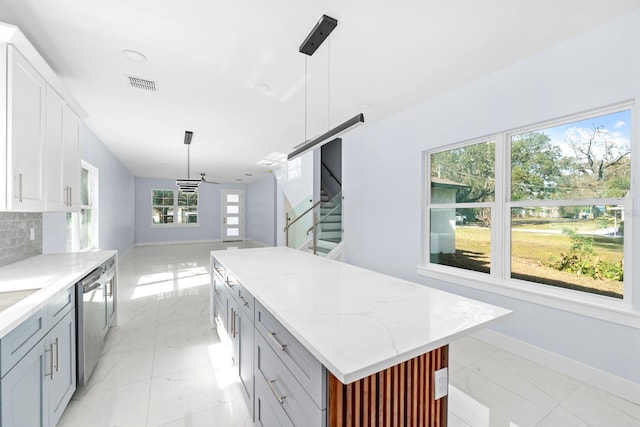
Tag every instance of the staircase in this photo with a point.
(329, 228)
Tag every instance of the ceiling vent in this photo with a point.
(144, 84)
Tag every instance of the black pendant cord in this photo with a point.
(305, 98)
(329, 84)
(189, 161)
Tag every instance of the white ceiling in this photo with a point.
(208, 56)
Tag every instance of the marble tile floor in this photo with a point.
(163, 366)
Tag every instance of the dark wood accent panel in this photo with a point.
(401, 396)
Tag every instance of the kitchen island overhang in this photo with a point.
(358, 323)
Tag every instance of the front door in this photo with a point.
(232, 215)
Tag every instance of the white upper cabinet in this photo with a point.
(62, 143)
(56, 194)
(25, 125)
(39, 132)
(71, 158)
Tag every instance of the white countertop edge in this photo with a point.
(349, 377)
(13, 316)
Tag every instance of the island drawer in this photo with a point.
(218, 270)
(283, 390)
(241, 295)
(60, 305)
(20, 340)
(299, 361)
(268, 411)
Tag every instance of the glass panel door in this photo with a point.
(232, 215)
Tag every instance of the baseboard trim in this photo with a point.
(610, 383)
(177, 242)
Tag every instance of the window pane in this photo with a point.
(233, 232)
(464, 174)
(188, 215)
(187, 199)
(84, 187)
(574, 247)
(233, 198)
(162, 215)
(233, 209)
(579, 160)
(461, 238)
(233, 220)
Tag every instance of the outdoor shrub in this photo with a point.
(582, 259)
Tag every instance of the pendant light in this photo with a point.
(316, 37)
(188, 185)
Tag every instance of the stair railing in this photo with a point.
(317, 222)
(290, 223)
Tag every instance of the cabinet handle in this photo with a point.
(51, 368)
(272, 335)
(20, 187)
(244, 301)
(217, 292)
(231, 285)
(57, 355)
(70, 197)
(233, 324)
(279, 398)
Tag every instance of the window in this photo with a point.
(560, 200)
(82, 226)
(462, 196)
(173, 207)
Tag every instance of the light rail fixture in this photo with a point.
(316, 37)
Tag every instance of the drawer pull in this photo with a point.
(217, 292)
(279, 398)
(57, 355)
(244, 301)
(231, 285)
(281, 346)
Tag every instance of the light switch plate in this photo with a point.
(441, 383)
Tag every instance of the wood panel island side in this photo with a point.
(318, 342)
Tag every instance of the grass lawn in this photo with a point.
(532, 253)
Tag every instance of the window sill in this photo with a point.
(595, 306)
(173, 225)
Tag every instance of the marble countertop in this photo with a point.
(27, 285)
(356, 322)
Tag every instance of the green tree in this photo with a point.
(473, 166)
(602, 161)
(536, 167)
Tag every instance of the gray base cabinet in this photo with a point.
(37, 388)
(24, 392)
(283, 384)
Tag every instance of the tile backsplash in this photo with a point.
(15, 233)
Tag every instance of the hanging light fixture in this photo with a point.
(316, 37)
(188, 185)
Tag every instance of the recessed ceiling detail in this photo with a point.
(134, 55)
(144, 84)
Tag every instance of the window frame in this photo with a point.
(498, 280)
(93, 196)
(175, 207)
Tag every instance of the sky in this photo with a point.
(618, 125)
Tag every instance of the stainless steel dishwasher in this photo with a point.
(95, 307)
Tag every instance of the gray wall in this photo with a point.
(15, 232)
(209, 213)
(382, 170)
(116, 190)
(261, 211)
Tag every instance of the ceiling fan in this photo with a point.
(203, 179)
